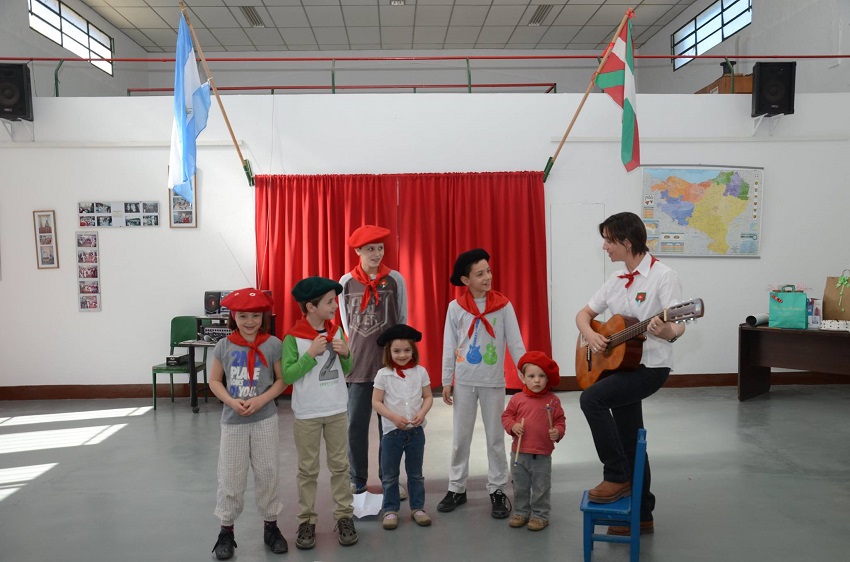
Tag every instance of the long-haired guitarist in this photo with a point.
(612, 405)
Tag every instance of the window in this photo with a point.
(64, 26)
(715, 24)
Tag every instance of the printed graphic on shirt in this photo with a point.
(490, 355)
(328, 373)
(370, 321)
(640, 297)
(240, 384)
(474, 353)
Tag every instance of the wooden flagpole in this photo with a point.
(246, 165)
(551, 161)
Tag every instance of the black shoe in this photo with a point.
(347, 534)
(451, 501)
(224, 545)
(274, 539)
(501, 505)
(306, 536)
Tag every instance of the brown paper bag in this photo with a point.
(836, 306)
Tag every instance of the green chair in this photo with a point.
(183, 328)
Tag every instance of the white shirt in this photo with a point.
(402, 395)
(653, 290)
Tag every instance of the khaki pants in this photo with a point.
(308, 441)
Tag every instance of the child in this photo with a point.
(315, 361)
(536, 420)
(373, 298)
(246, 376)
(402, 397)
(480, 317)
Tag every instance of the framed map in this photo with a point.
(703, 210)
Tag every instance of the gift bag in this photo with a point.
(788, 308)
(836, 297)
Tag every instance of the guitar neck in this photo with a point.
(632, 331)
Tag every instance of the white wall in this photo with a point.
(75, 78)
(779, 27)
(117, 149)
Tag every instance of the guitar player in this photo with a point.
(612, 405)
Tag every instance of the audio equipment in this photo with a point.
(214, 333)
(212, 302)
(773, 88)
(15, 92)
(174, 360)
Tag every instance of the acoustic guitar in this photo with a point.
(625, 346)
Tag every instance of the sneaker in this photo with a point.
(422, 519)
(274, 539)
(224, 545)
(390, 520)
(402, 493)
(501, 505)
(518, 521)
(306, 536)
(357, 488)
(451, 501)
(347, 534)
(537, 524)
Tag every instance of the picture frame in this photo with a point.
(44, 226)
(88, 271)
(182, 213)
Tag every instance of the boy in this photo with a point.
(485, 318)
(535, 418)
(315, 360)
(373, 298)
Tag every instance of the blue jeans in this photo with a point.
(359, 419)
(410, 442)
(612, 407)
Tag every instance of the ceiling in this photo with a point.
(341, 25)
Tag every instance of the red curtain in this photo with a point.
(303, 223)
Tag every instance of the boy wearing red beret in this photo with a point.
(535, 419)
(373, 298)
(246, 376)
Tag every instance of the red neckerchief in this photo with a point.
(254, 349)
(370, 284)
(631, 276)
(303, 329)
(399, 368)
(528, 392)
(495, 301)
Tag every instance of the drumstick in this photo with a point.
(519, 442)
(549, 414)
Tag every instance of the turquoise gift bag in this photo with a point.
(788, 308)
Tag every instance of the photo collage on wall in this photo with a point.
(45, 239)
(88, 271)
(118, 213)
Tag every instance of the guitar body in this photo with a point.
(623, 357)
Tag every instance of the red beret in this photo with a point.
(545, 363)
(247, 300)
(366, 234)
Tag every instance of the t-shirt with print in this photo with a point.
(234, 360)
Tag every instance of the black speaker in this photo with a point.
(15, 92)
(773, 88)
(212, 302)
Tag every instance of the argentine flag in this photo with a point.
(191, 108)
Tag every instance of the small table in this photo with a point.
(760, 348)
(190, 345)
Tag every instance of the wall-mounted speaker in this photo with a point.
(15, 92)
(212, 302)
(773, 88)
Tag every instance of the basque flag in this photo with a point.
(191, 108)
(617, 79)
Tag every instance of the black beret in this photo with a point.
(399, 332)
(314, 287)
(464, 261)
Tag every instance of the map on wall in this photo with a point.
(703, 211)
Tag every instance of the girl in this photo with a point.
(402, 396)
(246, 376)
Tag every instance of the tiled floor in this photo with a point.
(766, 479)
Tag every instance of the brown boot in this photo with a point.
(609, 492)
(646, 528)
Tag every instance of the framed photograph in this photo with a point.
(88, 271)
(118, 214)
(44, 223)
(182, 213)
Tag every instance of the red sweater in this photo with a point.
(535, 439)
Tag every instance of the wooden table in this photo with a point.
(760, 348)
